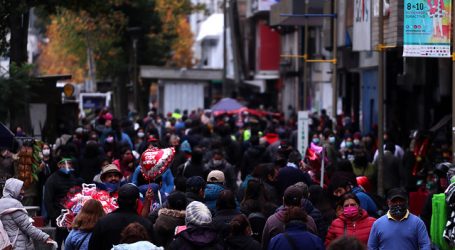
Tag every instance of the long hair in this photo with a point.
(90, 213)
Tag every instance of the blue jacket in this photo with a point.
(77, 239)
(409, 234)
(167, 186)
(365, 201)
(300, 236)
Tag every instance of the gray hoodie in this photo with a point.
(18, 222)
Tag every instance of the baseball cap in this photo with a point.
(397, 193)
(216, 176)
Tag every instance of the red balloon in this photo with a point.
(155, 161)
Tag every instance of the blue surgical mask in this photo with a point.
(349, 144)
(332, 139)
(66, 170)
(111, 187)
(316, 141)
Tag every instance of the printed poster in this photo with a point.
(303, 130)
(427, 28)
(362, 25)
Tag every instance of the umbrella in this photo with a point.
(227, 104)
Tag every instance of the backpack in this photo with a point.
(257, 222)
(5, 242)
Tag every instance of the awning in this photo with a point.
(211, 28)
(257, 83)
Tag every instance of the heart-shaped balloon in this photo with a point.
(155, 161)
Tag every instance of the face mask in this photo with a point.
(332, 139)
(356, 142)
(350, 212)
(217, 162)
(110, 139)
(66, 170)
(46, 152)
(398, 211)
(349, 144)
(316, 141)
(140, 134)
(111, 187)
(128, 158)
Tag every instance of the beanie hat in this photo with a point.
(185, 146)
(197, 214)
(194, 184)
(177, 200)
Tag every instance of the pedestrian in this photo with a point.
(353, 221)
(83, 224)
(276, 223)
(110, 179)
(56, 190)
(346, 243)
(108, 229)
(292, 173)
(195, 188)
(398, 229)
(199, 234)
(215, 184)
(135, 237)
(240, 235)
(295, 233)
(15, 219)
(169, 218)
(219, 163)
(226, 210)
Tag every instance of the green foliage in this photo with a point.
(14, 89)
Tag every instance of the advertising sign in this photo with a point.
(362, 25)
(427, 28)
(303, 125)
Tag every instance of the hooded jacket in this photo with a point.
(275, 224)
(197, 237)
(167, 221)
(18, 222)
(359, 228)
(212, 191)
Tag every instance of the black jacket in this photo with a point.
(197, 237)
(241, 242)
(56, 189)
(107, 230)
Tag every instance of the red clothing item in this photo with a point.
(359, 228)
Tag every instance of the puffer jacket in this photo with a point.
(359, 228)
(212, 191)
(18, 222)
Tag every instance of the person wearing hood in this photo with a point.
(353, 221)
(295, 233)
(15, 219)
(169, 218)
(219, 163)
(240, 235)
(292, 173)
(199, 234)
(107, 231)
(276, 223)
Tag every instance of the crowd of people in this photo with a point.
(235, 182)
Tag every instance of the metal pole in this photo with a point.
(381, 100)
(305, 64)
(334, 71)
(225, 87)
(453, 87)
(322, 166)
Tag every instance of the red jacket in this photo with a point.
(359, 228)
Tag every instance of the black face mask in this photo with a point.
(398, 211)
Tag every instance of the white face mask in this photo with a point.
(356, 141)
(110, 139)
(140, 134)
(46, 152)
(217, 162)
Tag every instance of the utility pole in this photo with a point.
(381, 99)
(305, 63)
(334, 53)
(225, 85)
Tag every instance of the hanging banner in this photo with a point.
(303, 130)
(427, 28)
(362, 25)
